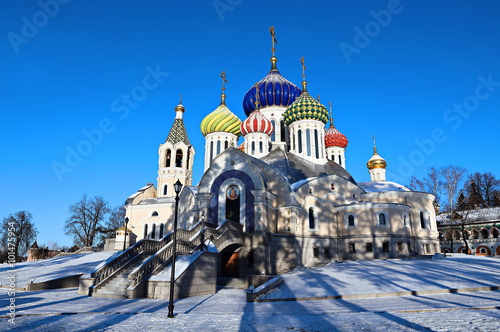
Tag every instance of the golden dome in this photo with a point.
(376, 161)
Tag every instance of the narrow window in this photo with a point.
(260, 146)
(400, 246)
(340, 160)
(494, 233)
(409, 247)
(226, 145)
(369, 247)
(381, 219)
(178, 158)
(315, 252)
(211, 151)
(165, 190)
(273, 135)
(404, 220)
(218, 147)
(385, 246)
(168, 157)
(282, 131)
(187, 162)
(316, 143)
(299, 134)
(308, 142)
(333, 157)
(312, 223)
(146, 231)
(350, 220)
(352, 247)
(422, 220)
(327, 254)
(253, 148)
(162, 229)
(427, 249)
(153, 231)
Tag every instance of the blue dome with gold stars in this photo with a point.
(274, 90)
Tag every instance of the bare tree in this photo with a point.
(452, 178)
(432, 183)
(85, 220)
(18, 232)
(486, 187)
(115, 221)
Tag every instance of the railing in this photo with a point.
(144, 245)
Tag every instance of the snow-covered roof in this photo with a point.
(472, 216)
(297, 184)
(380, 186)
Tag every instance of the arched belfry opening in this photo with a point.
(233, 194)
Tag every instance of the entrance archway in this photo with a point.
(229, 259)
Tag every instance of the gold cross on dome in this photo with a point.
(223, 75)
(303, 69)
(256, 95)
(180, 102)
(271, 30)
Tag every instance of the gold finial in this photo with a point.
(271, 30)
(374, 146)
(331, 116)
(318, 98)
(257, 100)
(223, 95)
(303, 69)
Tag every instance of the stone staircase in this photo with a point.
(117, 285)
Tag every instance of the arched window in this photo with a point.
(456, 235)
(178, 158)
(145, 231)
(260, 146)
(162, 229)
(381, 219)
(167, 158)
(405, 219)
(485, 233)
(153, 231)
(211, 151)
(466, 234)
(165, 190)
(218, 147)
(312, 221)
(340, 160)
(422, 220)
(494, 233)
(308, 141)
(273, 135)
(333, 157)
(299, 134)
(154, 214)
(350, 221)
(282, 131)
(253, 148)
(226, 145)
(187, 161)
(316, 142)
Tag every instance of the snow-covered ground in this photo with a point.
(227, 310)
(53, 268)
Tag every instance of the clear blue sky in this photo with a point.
(65, 72)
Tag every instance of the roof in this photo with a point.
(34, 246)
(381, 186)
(178, 133)
(473, 216)
(295, 169)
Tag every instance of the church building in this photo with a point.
(281, 175)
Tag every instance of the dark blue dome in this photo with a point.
(274, 89)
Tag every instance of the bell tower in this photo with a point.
(175, 157)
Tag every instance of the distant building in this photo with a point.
(36, 253)
(481, 229)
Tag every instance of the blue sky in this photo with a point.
(422, 76)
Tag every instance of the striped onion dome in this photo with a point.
(333, 137)
(274, 90)
(257, 123)
(221, 120)
(305, 107)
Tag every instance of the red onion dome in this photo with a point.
(333, 137)
(257, 123)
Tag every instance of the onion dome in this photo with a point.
(305, 107)
(256, 123)
(333, 137)
(274, 90)
(222, 119)
(376, 161)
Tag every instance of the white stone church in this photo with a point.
(281, 174)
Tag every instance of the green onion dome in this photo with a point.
(221, 120)
(305, 107)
